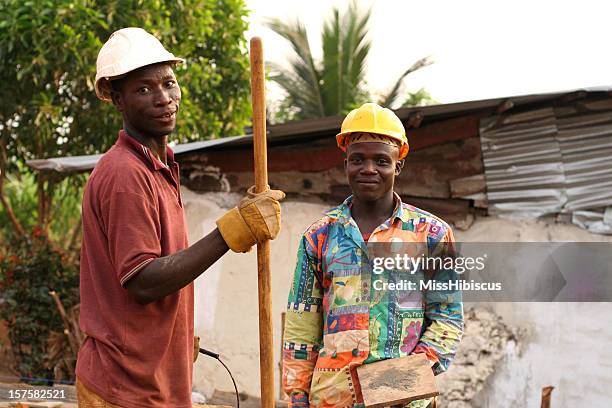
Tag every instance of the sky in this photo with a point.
(481, 49)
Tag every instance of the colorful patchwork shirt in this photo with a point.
(337, 319)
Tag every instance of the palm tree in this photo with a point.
(336, 84)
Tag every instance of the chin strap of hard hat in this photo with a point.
(216, 357)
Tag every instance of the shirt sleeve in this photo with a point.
(443, 315)
(303, 328)
(132, 227)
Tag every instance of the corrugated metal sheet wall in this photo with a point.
(550, 160)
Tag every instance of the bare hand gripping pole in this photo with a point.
(266, 355)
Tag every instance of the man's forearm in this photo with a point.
(168, 274)
(440, 340)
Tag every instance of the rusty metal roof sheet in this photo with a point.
(522, 159)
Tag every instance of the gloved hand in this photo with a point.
(256, 219)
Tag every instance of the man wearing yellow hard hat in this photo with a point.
(338, 317)
(137, 270)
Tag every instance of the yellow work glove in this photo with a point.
(256, 219)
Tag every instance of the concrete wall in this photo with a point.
(561, 344)
(566, 345)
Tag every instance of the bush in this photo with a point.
(27, 274)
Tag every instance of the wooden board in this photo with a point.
(396, 381)
(467, 186)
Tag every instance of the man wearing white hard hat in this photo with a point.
(137, 270)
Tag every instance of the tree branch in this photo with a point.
(49, 202)
(5, 204)
(40, 188)
(76, 233)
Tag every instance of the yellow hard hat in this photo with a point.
(126, 50)
(372, 118)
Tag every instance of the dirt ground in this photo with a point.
(74, 405)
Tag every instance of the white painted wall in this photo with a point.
(568, 343)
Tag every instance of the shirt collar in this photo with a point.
(343, 211)
(144, 152)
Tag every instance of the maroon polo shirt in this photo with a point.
(135, 355)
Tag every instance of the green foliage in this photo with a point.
(32, 265)
(26, 276)
(48, 51)
(20, 190)
(21, 194)
(336, 84)
(418, 98)
(345, 49)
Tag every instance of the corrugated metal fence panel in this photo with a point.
(523, 163)
(599, 222)
(551, 160)
(586, 148)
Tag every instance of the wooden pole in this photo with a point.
(546, 393)
(266, 353)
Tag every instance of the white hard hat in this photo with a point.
(126, 50)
